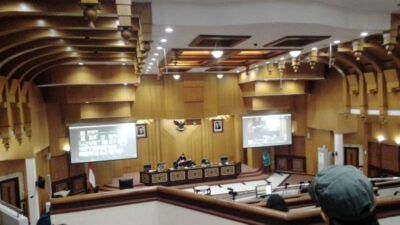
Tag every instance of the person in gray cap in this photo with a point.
(345, 196)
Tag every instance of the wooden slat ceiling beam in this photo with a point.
(33, 31)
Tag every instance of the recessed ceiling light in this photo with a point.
(68, 48)
(337, 42)
(124, 64)
(237, 71)
(151, 63)
(153, 59)
(80, 63)
(156, 54)
(87, 102)
(314, 49)
(267, 62)
(295, 53)
(163, 40)
(159, 47)
(169, 30)
(217, 53)
(364, 34)
(125, 84)
(220, 76)
(149, 67)
(177, 76)
(282, 58)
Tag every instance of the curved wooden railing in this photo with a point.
(240, 212)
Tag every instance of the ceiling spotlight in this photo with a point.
(364, 34)
(217, 53)
(267, 62)
(237, 71)
(169, 30)
(336, 42)
(149, 67)
(156, 54)
(125, 84)
(314, 48)
(177, 76)
(151, 63)
(163, 40)
(159, 47)
(68, 49)
(295, 53)
(124, 64)
(153, 59)
(87, 102)
(80, 63)
(220, 76)
(282, 58)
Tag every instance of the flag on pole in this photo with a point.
(91, 176)
(330, 55)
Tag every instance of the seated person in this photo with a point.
(180, 161)
(277, 202)
(345, 196)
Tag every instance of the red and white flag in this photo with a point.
(91, 177)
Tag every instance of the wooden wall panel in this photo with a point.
(43, 169)
(59, 167)
(390, 157)
(109, 110)
(318, 138)
(93, 74)
(149, 99)
(373, 154)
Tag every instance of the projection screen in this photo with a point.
(102, 142)
(267, 130)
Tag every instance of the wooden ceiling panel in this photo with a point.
(37, 35)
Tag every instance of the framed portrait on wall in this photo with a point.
(218, 126)
(141, 131)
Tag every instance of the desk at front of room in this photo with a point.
(191, 175)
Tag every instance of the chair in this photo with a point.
(125, 184)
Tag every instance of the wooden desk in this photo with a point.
(191, 175)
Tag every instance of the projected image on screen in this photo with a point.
(267, 130)
(101, 142)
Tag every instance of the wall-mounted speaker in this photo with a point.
(41, 182)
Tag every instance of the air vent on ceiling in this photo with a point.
(220, 69)
(296, 41)
(177, 70)
(218, 40)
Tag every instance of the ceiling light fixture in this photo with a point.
(151, 63)
(364, 34)
(125, 84)
(156, 54)
(153, 59)
(220, 76)
(314, 48)
(124, 64)
(336, 42)
(163, 40)
(282, 58)
(159, 47)
(237, 71)
(80, 63)
(295, 53)
(169, 30)
(177, 76)
(217, 53)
